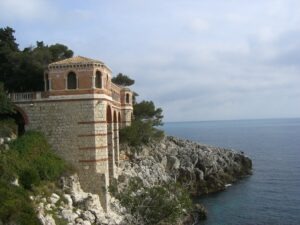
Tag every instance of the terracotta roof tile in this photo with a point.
(76, 59)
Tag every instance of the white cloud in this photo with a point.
(197, 24)
(11, 10)
(198, 60)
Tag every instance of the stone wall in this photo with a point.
(81, 133)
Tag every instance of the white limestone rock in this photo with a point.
(69, 215)
(172, 163)
(71, 184)
(85, 222)
(173, 158)
(46, 220)
(89, 216)
(80, 221)
(16, 183)
(48, 207)
(69, 200)
(54, 198)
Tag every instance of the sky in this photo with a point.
(197, 60)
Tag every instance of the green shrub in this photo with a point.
(164, 203)
(29, 177)
(144, 125)
(7, 127)
(49, 166)
(140, 132)
(16, 207)
(32, 160)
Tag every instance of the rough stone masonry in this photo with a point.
(80, 112)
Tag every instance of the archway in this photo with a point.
(110, 143)
(116, 138)
(20, 119)
(119, 120)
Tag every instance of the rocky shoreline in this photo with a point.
(202, 169)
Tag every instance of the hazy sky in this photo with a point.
(198, 60)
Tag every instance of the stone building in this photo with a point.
(80, 112)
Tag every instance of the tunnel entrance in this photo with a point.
(13, 123)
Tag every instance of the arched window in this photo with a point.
(127, 98)
(115, 117)
(72, 81)
(108, 115)
(119, 118)
(98, 80)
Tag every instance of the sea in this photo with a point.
(271, 196)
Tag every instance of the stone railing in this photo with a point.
(115, 92)
(25, 96)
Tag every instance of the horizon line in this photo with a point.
(216, 120)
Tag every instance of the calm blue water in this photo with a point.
(271, 196)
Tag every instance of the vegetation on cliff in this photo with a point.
(163, 203)
(144, 125)
(32, 162)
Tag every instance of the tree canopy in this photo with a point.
(5, 104)
(144, 125)
(22, 70)
(123, 80)
(146, 111)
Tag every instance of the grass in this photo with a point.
(7, 127)
(30, 160)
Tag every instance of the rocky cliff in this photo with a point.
(201, 168)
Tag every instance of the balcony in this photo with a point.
(25, 96)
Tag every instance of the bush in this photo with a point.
(15, 207)
(139, 133)
(29, 177)
(160, 204)
(32, 160)
(7, 127)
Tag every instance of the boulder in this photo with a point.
(173, 163)
(69, 200)
(54, 198)
(71, 185)
(88, 216)
(69, 215)
(46, 220)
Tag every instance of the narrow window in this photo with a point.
(72, 81)
(98, 79)
(107, 81)
(127, 98)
